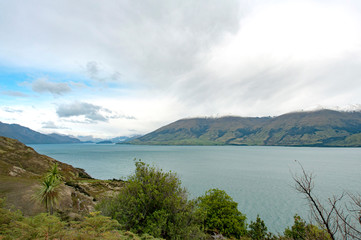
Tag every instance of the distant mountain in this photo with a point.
(105, 142)
(121, 139)
(28, 136)
(318, 128)
(125, 139)
(91, 139)
(63, 138)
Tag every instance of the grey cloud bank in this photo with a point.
(14, 93)
(42, 85)
(51, 125)
(89, 111)
(12, 110)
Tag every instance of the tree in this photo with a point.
(258, 229)
(154, 202)
(49, 190)
(298, 230)
(222, 215)
(303, 231)
(54, 174)
(338, 216)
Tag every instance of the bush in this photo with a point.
(300, 230)
(222, 215)
(13, 225)
(258, 229)
(154, 202)
(97, 224)
(41, 226)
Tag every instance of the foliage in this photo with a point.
(298, 230)
(258, 229)
(49, 190)
(7, 216)
(302, 231)
(14, 226)
(54, 174)
(154, 202)
(96, 225)
(44, 226)
(222, 215)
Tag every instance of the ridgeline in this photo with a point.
(324, 128)
(28, 136)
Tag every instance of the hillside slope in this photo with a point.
(318, 128)
(21, 170)
(28, 136)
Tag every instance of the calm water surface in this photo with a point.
(258, 178)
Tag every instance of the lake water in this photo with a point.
(259, 179)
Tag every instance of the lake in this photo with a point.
(258, 178)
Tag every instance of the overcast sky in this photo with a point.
(112, 68)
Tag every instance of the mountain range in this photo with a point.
(28, 136)
(317, 128)
(327, 128)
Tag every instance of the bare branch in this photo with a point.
(305, 185)
(337, 217)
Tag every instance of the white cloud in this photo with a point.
(286, 55)
(97, 72)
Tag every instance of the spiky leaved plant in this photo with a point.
(49, 190)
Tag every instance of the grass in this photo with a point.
(20, 193)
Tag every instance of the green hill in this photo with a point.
(21, 170)
(317, 128)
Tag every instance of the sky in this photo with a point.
(118, 68)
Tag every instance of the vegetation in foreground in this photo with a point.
(13, 225)
(153, 202)
(152, 205)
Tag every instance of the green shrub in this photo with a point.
(222, 215)
(7, 218)
(154, 202)
(298, 230)
(257, 229)
(44, 226)
(301, 230)
(41, 226)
